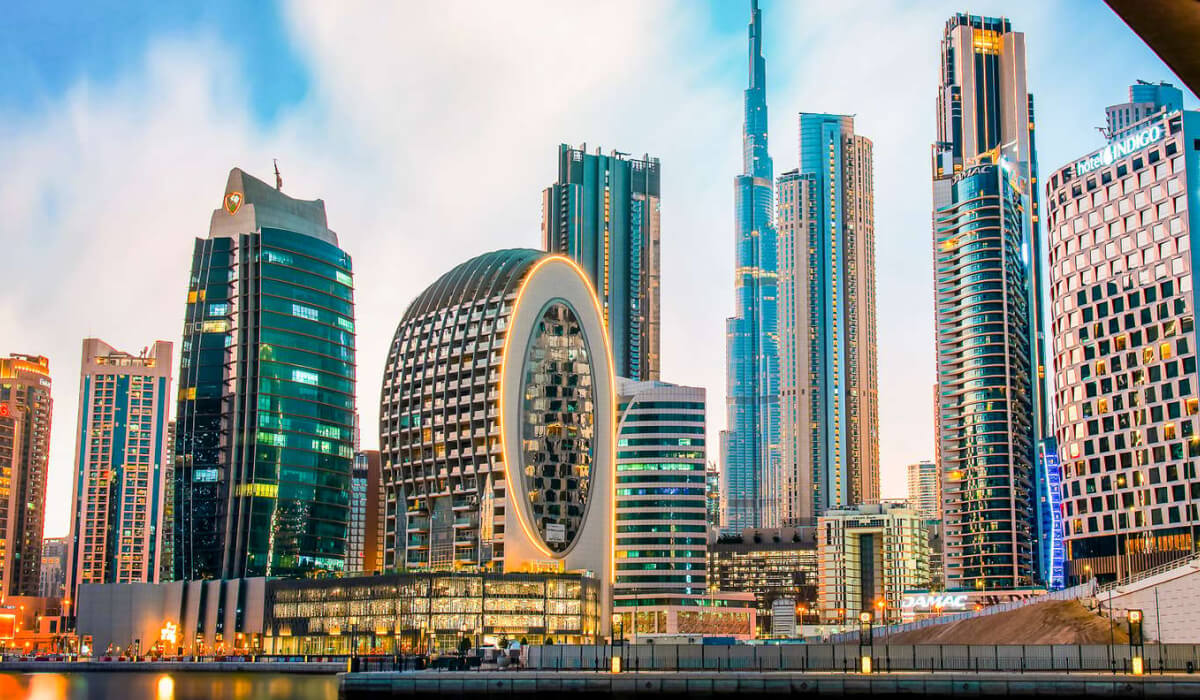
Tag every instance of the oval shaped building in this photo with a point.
(497, 422)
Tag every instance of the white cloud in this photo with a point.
(430, 130)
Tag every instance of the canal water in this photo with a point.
(194, 685)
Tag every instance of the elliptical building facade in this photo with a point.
(750, 445)
(603, 213)
(265, 420)
(496, 423)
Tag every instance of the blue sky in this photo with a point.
(430, 129)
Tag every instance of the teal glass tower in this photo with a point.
(603, 213)
(985, 167)
(265, 420)
(750, 445)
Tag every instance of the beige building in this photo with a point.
(867, 557)
(925, 490)
(25, 411)
(121, 466)
(828, 373)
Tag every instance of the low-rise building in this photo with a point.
(868, 556)
(769, 564)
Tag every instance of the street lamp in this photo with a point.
(1135, 642)
(866, 641)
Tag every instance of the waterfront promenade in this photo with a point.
(700, 684)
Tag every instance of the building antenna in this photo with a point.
(278, 177)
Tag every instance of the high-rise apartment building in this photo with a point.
(496, 423)
(868, 556)
(750, 445)
(924, 489)
(603, 213)
(364, 540)
(712, 493)
(1122, 230)
(987, 290)
(25, 412)
(265, 420)
(983, 335)
(118, 489)
(662, 530)
(827, 348)
(1145, 99)
(54, 567)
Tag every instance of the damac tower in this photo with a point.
(988, 297)
(750, 445)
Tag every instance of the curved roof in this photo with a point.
(481, 276)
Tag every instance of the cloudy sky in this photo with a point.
(430, 129)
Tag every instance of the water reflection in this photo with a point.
(166, 686)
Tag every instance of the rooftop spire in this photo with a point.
(756, 160)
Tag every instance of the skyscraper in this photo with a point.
(496, 423)
(987, 291)
(924, 490)
(750, 445)
(116, 531)
(1122, 224)
(364, 541)
(25, 411)
(827, 356)
(662, 533)
(54, 567)
(265, 424)
(603, 213)
(1145, 99)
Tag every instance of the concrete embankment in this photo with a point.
(172, 666)
(428, 684)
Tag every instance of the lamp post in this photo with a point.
(866, 641)
(1136, 642)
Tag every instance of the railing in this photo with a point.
(1006, 658)
(1147, 573)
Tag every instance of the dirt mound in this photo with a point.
(1052, 622)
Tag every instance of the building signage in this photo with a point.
(1119, 149)
(1056, 550)
(940, 601)
(556, 533)
(5, 411)
(233, 202)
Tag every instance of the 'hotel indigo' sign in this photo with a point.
(1117, 149)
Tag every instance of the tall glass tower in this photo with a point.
(827, 354)
(265, 423)
(991, 476)
(603, 213)
(750, 445)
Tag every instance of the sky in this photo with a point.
(430, 130)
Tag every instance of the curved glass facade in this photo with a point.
(985, 386)
(265, 426)
(661, 505)
(558, 426)
(439, 420)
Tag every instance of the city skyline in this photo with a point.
(77, 140)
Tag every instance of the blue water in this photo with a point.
(167, 686)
